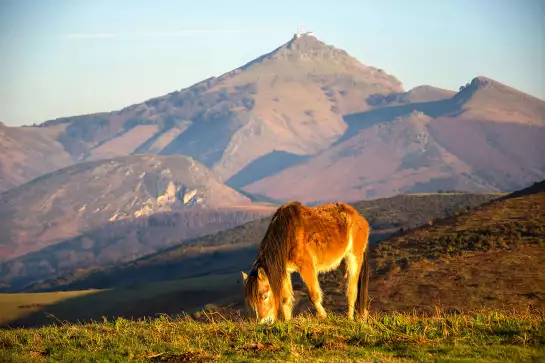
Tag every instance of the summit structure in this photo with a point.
(301, 33)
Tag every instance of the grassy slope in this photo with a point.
(495, 279)
(502, 224)
(490, 256)
(489, 336)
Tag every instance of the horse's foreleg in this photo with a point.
(287, 298)
(353, 267)
(310, 277)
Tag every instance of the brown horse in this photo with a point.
(308, 240)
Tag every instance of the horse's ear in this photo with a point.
(261, 275)
(244, 276)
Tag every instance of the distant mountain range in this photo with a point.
(309, 116)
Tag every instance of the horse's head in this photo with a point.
(259, 295)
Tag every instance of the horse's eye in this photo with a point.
(265, 297)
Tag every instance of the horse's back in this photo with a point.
(331, 221)
(337, 210)
(348, 222)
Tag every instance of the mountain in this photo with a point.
(234, 249)
(308, 121)
(487, 137)
(290, 100)
(486, 99)
(26, 153)
(82, 197)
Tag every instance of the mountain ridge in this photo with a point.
(455, 145)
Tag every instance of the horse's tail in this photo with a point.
(363, 281)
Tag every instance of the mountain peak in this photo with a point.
(483, 82)
(306, 46)
(477, 84)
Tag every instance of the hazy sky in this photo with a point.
(69, 57)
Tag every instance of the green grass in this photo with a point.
(488, 336)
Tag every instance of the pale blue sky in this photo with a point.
(68, 57)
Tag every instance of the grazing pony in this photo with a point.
(308, 240)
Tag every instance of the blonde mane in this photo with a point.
(274, 250)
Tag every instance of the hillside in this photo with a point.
(487, 137)
(504, 223)
(79, 198)
(26, 153)
(234, 249)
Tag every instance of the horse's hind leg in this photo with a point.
(353, 267)
(287, 297)
(310, 277)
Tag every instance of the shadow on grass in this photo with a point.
(132, 302)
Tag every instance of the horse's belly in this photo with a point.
(329, 263)
(328, 259)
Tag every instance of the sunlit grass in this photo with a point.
(483, 336)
